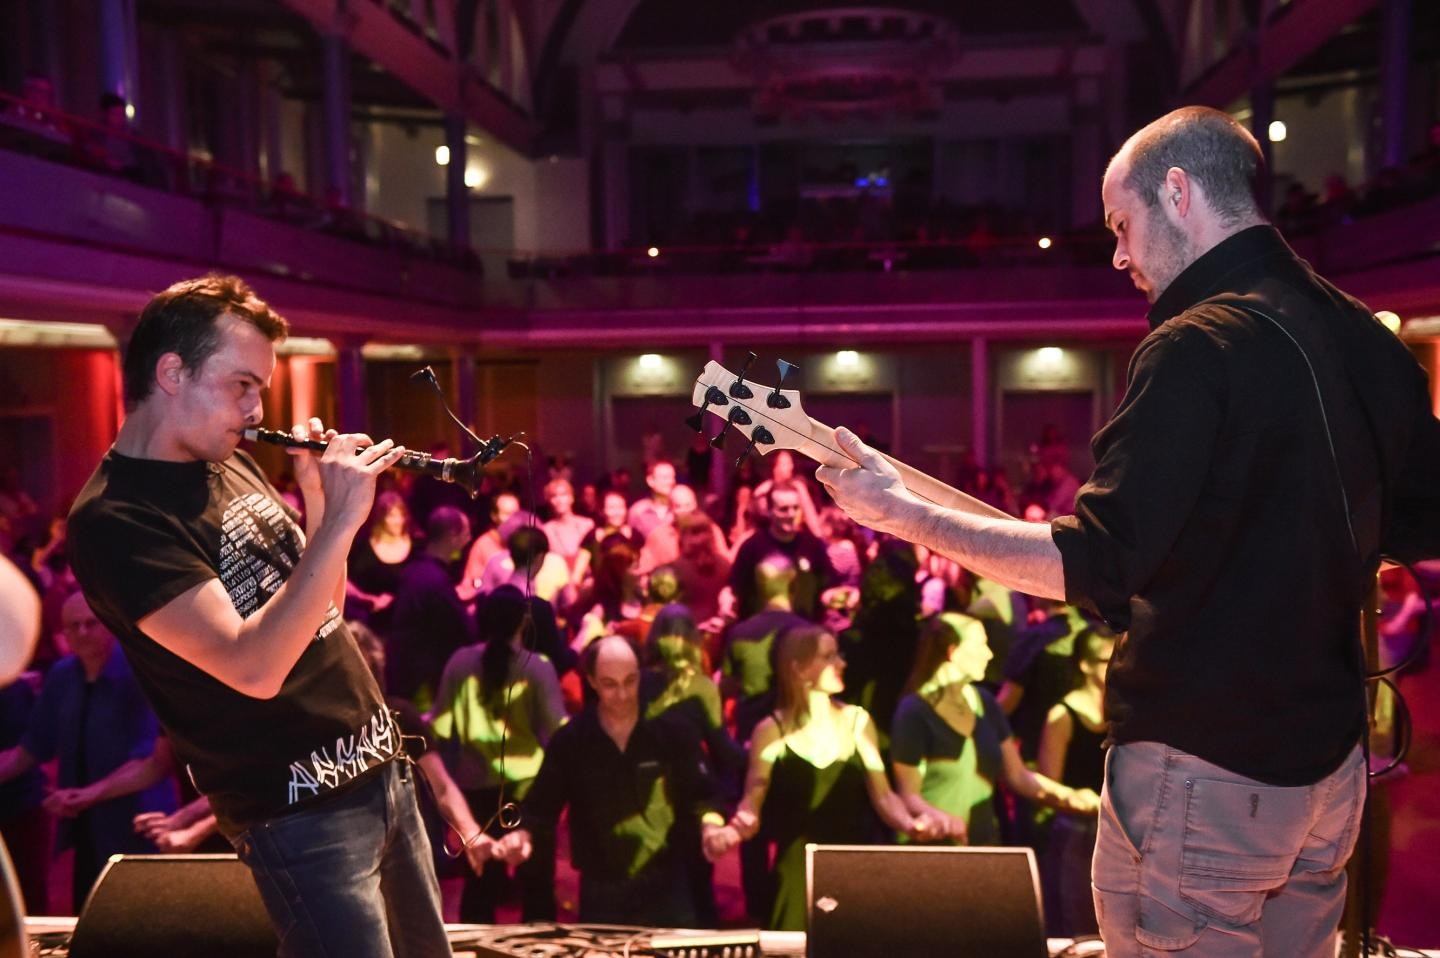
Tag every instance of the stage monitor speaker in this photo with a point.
(204, 906)
(878, 901)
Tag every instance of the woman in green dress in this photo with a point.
(815, 771)
(950, 743)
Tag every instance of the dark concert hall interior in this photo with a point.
(1087, 626)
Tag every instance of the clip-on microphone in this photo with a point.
(489, 448)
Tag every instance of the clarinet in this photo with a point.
(463, 472)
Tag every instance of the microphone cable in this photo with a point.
(507, 813)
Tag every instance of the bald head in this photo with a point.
(773, 577)
(1213, 150)
(89, 639)
(1176, 189)
(611, 653)
(614, 673)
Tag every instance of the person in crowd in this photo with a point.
(1060, 498)
(676, 670)
(566, 531)
(662, 545)
(230, 616)
(111, 146)
(588, 504)
(614, 593)
(91, 718)
(785, 533)
(679, 685)
(180, 832)
(702, 568)
(746, 674)
(503, 512)
(428, 620)
(614, 521)
(881, 643)
(742, 509)
(1004, 612)
(1204, 506)
(528, 564)
(951, 745)
(815, 773)
(377, 560)
(647, 513)
(498, 706)
(945, 586)
(993, 488)
(697, 461)
(26, 827)
(782, 473)
(642, 802)
(1040, 670)
(1072, 751)
(619, 480)
(843, 546)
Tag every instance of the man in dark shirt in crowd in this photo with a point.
(1274, 441)
(230, 617)
(786, 534)
(642, 800)
(92, 718)
(428, 622)
(745, 667)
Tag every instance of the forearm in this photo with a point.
(190, 814)
(15, 761)
(314, 522)
(1019, 555)
(449, 798)
(894, 811)
(1045, 791)
(134, 776)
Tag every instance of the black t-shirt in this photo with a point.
(143, 532)
(813, 571)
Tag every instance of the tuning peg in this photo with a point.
(775, 400)
(713, 397)
(718, 440)
(759, 435)
(738, 389)
(737, 417)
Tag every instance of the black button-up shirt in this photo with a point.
(631, 812)
(1223, 533)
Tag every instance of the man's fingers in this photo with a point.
(851, 445)
(829, 475)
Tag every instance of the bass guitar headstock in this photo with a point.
(769, 417)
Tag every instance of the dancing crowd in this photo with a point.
(673, 681)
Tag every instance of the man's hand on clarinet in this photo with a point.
(341, 480)
(871, 492)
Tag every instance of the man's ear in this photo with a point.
(169, 370)
(1176, 194)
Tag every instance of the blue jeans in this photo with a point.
(353, 875)
(1196, 859)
